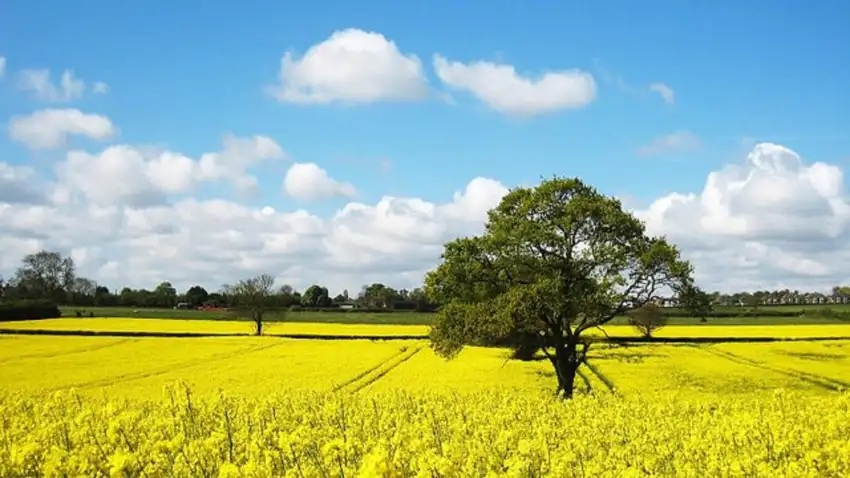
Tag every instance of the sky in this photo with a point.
(344, 143)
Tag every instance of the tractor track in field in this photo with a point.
(91, 348)
(373, 374)
(385, 371)
(810, 378)
(369, 370)
(164, 370)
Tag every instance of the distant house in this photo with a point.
(348, 304)
(183, 305)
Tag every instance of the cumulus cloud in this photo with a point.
(352, 66)
(38, 83)
(125, 175)
(309, 182)
(502, 89)
(666, 93)
(50, 128)
(772, 222)
(678, 142)
(137, 177)
(17, 185)
(187, 241)
(236, 156)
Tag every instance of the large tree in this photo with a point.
(252, 298)
(316, 296)
(166, 295)
(554, 261)
(46, 274)
(196, 295)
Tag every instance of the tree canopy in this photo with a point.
(648, 319)
(251, 298)
(553, 262)
(46, 274)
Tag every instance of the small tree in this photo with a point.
(252, 298)
(648, 319)
(554, 261)
(696, 302)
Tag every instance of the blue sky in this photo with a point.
(182, 74)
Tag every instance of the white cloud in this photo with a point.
(50, 128)
(666, 93)
(17, 185)
(236, 156)
(501, 88)
(39, 84)
(678, 142)
(771, 222)
(127, 175)
(309, 182)
(352, 66)
(2, 66)
(100, 88)
(211, 242)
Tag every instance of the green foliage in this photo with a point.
(553, 262)
(826, 312)
(196, 296)
(316, 296)
(28, 310)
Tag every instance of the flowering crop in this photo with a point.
(93, 406)
(708, 330)
(505, 433)
(138, 367)
(117, 324)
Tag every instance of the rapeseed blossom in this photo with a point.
(485, 433)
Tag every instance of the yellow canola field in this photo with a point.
(138, 368)
(256, 366)
(707, 330)
(103, 406)
(108, 324)
(487, 434)
(359, 330)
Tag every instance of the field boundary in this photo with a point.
(118, 333)
(305, 336)
(710, 340)
(128, 333)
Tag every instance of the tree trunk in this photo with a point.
(258, 320)
(566, 361)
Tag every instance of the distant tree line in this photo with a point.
(48, 275)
